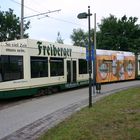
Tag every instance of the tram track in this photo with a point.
(6, 103)
(11, 102)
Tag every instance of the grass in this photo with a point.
(116, 117)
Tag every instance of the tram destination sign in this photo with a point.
(14, 44)
(14, 47)
(52, 50)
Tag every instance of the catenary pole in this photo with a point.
(22, 18)
(94, 57)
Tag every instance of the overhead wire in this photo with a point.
(58, 19)
(26, 6)
(62, 20)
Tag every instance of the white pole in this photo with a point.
(94, 60)
(22, 18)
(95, 31)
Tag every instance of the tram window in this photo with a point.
(56, 66)
(39, 67)
(11, 67)
(83, 66)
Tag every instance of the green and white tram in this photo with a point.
(29, 67)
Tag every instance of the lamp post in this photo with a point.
(82, 16)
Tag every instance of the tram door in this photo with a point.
(71, 71)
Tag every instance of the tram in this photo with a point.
(30, 67)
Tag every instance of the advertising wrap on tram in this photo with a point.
(114, 66)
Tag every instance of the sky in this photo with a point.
(46, 27)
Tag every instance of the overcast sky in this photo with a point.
(46, 28)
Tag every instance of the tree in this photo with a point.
(80, 38)
(59, 38)
(119, 34)
(107, 34)
(114, 34)
(10, 26)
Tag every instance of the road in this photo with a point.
(29, 119)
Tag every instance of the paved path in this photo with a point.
(28, 120)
